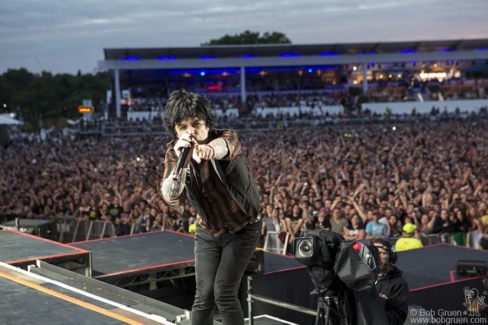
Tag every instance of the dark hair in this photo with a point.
(182, 105)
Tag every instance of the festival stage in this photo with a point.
(137, 261)
(435, 265)
(163, 255)
(49, 295)
(432, 278)
(21, 249)
(121, 260)
(46, 297)
(158, 270)
(144, 263)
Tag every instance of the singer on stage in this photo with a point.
(207, 166)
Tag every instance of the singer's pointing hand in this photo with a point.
(203, 152)
(185, 141)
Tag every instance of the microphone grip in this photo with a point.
(180, 163)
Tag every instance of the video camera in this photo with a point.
(344, 273)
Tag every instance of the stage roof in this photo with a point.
(154, 64)
(289, 50)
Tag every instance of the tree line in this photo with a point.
(46, 95)
(249, 38)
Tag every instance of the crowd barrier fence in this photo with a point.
(75, 230)
(104, 128)
(72, 230)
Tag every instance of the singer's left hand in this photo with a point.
(202, 152)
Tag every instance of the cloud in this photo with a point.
(71, 35)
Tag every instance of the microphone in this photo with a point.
(180, 164)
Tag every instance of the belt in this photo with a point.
(256, 219)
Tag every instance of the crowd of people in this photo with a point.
(359, 181)
(223, 101)
(381, 90)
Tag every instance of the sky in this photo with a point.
(64, 36)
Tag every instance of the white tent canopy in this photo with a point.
(7, 119)
(73, 122)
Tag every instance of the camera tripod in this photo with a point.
(324, 314)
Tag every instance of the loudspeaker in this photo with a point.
(256, 264)
(471, 267)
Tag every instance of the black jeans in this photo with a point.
(220, 264)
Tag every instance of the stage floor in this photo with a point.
(435, 265)
(18, 247)
(30, 300)
(138, 253)
(153, 251)
(423, 268)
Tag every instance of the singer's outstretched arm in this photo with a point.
(219, 146)
(226, 145)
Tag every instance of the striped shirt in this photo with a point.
(220, 209)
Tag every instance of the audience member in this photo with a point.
(338, 223)
(355, 229)
(376, 229)
(407, 241)
(484, 240)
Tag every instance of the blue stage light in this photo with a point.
(329, 54)
(166, 57)
(290, 55)
(248, 56)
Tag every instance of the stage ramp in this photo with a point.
(46, 294)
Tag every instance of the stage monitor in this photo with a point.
(42, 228)
(471, 267)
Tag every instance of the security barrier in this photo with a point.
(72, 230)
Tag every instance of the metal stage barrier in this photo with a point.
(71, 230)
(252, 297)
(431, 239)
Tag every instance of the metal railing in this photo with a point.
(253, 297)
(431, 239)
(110, 129)
(273, 243)
(72, 230)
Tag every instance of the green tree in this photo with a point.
(48, 95)
(6, 95)
(249, 37)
